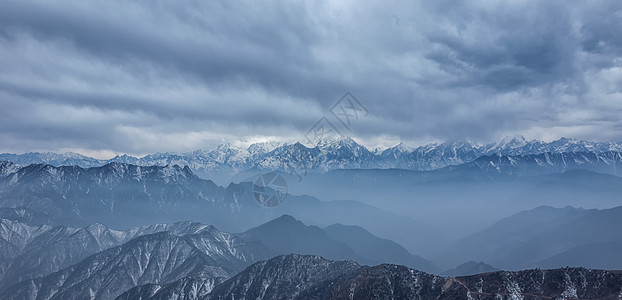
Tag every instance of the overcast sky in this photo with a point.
(108, 77)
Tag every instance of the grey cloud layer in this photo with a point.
(177, 75)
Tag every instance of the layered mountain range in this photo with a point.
(60, 262)
(124, 196)
(42, 194)
(73, 227)
(194, 261)
(127, 195)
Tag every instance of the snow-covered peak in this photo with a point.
(174, 172)
(403, 147)
(400, 147)
(454, 148)
(224, 147)
(226, 153)
(398, 151)
(346, 142)
(263, 147)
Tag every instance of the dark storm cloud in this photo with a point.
(177, 75)
(217, 42)
(529, 44)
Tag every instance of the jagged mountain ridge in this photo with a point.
(110, 192)
(312, 277)
(226, 161)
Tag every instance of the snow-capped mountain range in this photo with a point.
(226, 161)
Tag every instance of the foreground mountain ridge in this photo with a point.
(312, 277)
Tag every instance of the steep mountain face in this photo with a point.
(527, 238)
(283, 277)
(14, 238)
(287, 157)
(226, 161)
(344, 154)
(54, 249)
(108, 273)
(157, 258)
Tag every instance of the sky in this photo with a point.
(137, 77)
